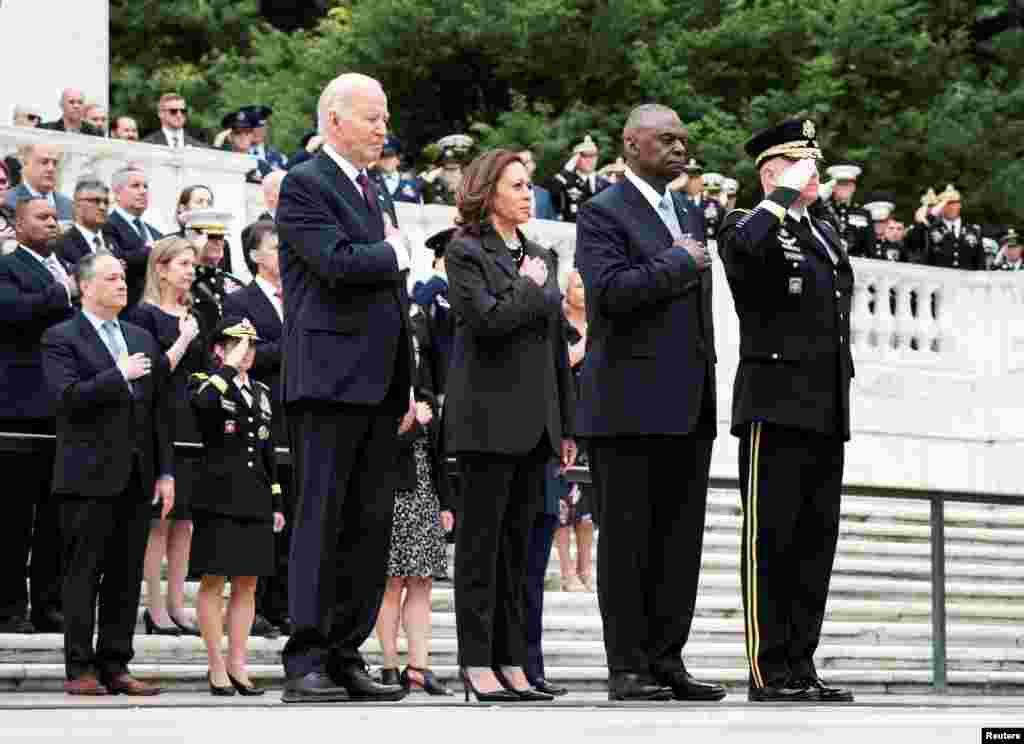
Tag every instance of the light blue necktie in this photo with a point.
(667, 212)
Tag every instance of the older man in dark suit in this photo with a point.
(347, 385)
(35, 293)
(89, 233)
(72, 119)
(114, 458)
(648, 408)
(133, 235)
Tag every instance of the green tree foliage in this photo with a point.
(895, 84)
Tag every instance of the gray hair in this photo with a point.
(85, 269)
(121, 176)
(638, 115)
(90, 183)
(337, 96)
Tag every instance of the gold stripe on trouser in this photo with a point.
(753, 630)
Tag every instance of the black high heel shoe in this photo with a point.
(153, 629)
(527, 694)
(429, 685)
(498, 696)
(188, 630)
(245, 690)
(220, 691)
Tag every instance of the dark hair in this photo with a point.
(85, 269)
(254, 235)
(478, 187)
(186, 194)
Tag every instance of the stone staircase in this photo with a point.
(876, 637)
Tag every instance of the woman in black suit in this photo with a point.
(508, 410)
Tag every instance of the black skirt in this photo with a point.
(231, 546)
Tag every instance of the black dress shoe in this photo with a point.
(780, 693)
(315, 687)
(551, 689)
(50, 621)
(390, 676)
(361, 686)
(17, 624)
(685, 687)
(285, 626)
(249, 690)
(264, 628)
(631, 686)
(153, 629)
(818, 690)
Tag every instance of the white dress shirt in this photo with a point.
(176, 137)
(130, 218)
(270, 291)
(401, 253)
(953, 226)
(97, 323)
(90, 238)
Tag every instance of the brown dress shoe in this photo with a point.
(125, 684)
(87, 684)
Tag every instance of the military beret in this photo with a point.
(793, 138)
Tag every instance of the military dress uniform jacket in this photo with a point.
(239, 475)
(948, 250)
(853, 223)
(569, 190)
(793, 304)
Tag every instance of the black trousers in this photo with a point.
(272, 591)
(31, 525)
(501, 496)
(104, 548)
(653, 496)
(542, 535)
(343, 461)
(790, 481)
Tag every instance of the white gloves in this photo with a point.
(798, 175)
(825, 190)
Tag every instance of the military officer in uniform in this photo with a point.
(1010, 252)
(916, 240)
(714, 211)
(267, 158)
(207, 229)
(852, 221)
(792, 284)
(388, 176)
(577, 181)
(952, 242)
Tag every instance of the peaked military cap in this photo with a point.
(844, 171)
(258, 114)
(793, 138)
(241, 119)
(231, 327)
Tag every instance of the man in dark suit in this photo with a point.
(133, 235)
(793, 284)
(39, 179)
(88, 234)
(72, 106)
(114, 459)
(647, 395)
(262, 303)
(173, 113)
(347, 384)
(35, 293)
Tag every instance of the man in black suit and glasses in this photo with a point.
(647, 407)
(114, 458)
(347, 386)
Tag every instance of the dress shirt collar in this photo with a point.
(38, 194)
(271, 292)
(652, 196)
(350, 170)
(127, 216)
(174, 135)
(798, 213)
(97, 321)
(89, 235)
(36, 256)
(953, 225)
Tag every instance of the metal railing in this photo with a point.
(32, 443)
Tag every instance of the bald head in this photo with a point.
(353, 118)
(72, 104)
(655, 143)
(272, 189)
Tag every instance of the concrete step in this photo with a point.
(48, 649)
(182, 677)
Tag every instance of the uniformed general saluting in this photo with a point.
(792, 284)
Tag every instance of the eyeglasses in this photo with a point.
(99, 202)
(177, 111)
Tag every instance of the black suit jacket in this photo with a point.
(509, 382)
(159, 138)
(58, 126)
(650, 333)
(134, 252)
(793, 305)
(346, 312)
(104, 428)
(251, 302)
(31, 301)
(72, 245)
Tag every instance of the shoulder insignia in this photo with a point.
(199, 376)
(275, 489)
(218, 382)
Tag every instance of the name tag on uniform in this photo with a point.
(858, 220)
(794, 255)
(229, 405)
(796, 285)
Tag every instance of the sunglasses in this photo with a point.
(177, 111)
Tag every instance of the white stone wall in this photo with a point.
(50, 45)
